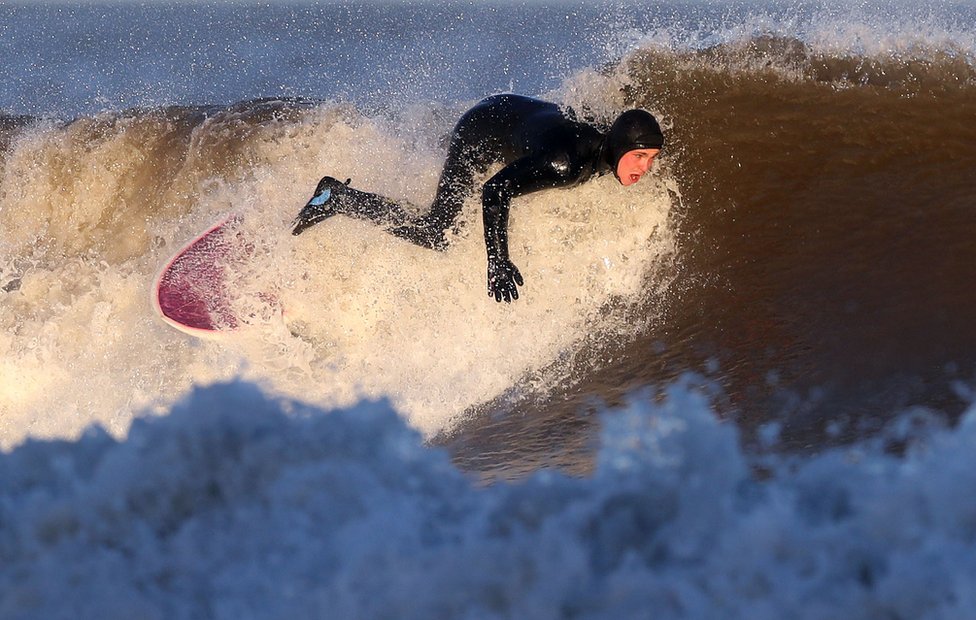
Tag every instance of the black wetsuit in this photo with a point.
(541, 146)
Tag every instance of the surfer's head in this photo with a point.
(632, 143)
(634, 164)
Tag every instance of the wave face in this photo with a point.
(827, 198)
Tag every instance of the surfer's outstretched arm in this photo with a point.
(523, 176)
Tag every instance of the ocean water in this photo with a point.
(741, 388)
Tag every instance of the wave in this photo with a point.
(787, 155)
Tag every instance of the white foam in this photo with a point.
(375, 316)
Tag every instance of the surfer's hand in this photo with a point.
(503, 280)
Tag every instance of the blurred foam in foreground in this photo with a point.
(236, 505)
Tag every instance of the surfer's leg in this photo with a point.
(467, 154)
(333, 197)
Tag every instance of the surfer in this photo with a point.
(541, 146)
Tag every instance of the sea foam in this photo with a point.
(238, 505)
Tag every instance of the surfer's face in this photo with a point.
(635, 164)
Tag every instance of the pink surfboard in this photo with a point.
(191, 291)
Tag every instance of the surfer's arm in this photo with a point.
(523, 176)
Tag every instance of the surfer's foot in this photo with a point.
(322, 205)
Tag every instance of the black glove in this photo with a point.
(503, 276)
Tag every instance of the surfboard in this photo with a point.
(191, 292)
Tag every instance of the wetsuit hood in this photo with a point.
(634, 129)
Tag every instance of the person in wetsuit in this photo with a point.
(541, 146)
